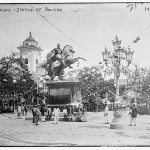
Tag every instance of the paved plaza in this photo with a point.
(21, 132)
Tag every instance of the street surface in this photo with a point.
(21, 132)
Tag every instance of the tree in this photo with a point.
(146, 91)
(94, 87)
(15, 79)
(140, 84)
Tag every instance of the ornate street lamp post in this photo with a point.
(114, 64)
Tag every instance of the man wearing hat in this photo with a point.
(56, 113)
(133, 114)
(49, 113)
(33, 113)
(37, 114)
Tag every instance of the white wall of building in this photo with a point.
(33, 56)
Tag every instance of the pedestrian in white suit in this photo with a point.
(56, 113)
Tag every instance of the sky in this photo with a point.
(88, 28)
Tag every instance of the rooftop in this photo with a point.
(30, 43)
(30, 38)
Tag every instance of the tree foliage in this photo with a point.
(94, 88)
(141, 85)
(15, 78)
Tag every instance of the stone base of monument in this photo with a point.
(116, 124)
(116, 120)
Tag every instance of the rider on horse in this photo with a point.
(58, 60)
(56, 53)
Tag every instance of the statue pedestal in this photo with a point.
(63, 92)
(116, 120)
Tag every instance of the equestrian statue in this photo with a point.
(58, 60)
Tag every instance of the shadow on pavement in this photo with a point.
(122, 134)
(95, 126)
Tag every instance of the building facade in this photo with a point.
(31, 52)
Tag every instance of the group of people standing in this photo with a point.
(45, 113)
(132, 113)
(22, 110)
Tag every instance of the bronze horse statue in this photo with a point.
(56, 67)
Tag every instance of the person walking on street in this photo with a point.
(56, 115)
(49, 113)
(70, 112)
(65, 113)
(25, 110)
(19, 111)
(33, 113)
(106, 113)
(42, 113)
(45, 113)
(83, 117)
(133, 115)
(37, 114)
(22, 109)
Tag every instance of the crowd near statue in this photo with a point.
(58, 59)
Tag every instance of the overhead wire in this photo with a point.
(71, 39)
(62, 32)
(66, 35)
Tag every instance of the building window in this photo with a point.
(26, 60)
